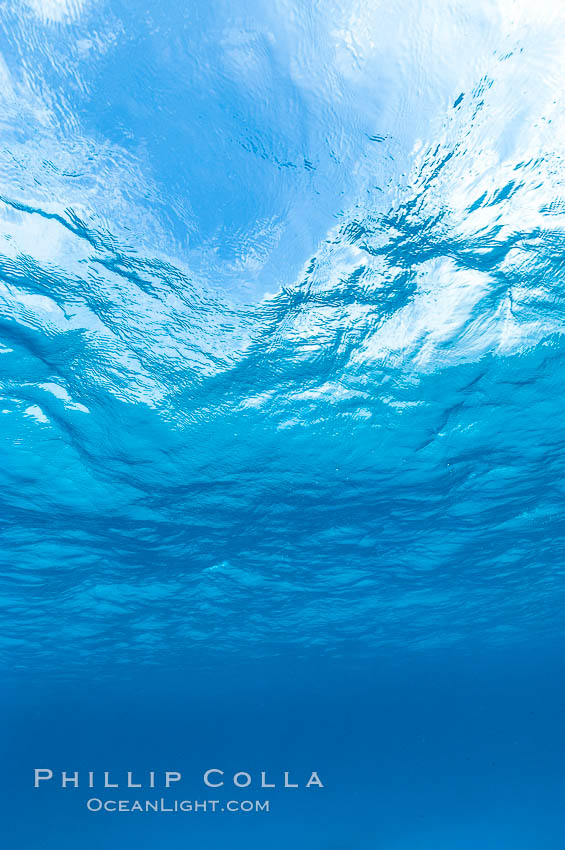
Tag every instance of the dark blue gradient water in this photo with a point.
(282, 301)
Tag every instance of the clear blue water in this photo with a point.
(282, 301)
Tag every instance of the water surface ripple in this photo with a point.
(282, 301)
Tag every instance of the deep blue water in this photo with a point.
(282, 302)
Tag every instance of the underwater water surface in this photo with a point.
(282, 303)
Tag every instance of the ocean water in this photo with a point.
(282, 303)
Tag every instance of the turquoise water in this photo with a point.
(281, 360)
